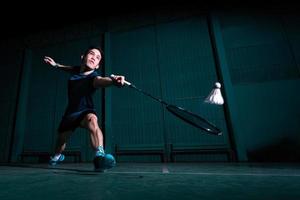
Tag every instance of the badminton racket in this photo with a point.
(182, 113)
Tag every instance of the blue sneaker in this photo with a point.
(110, 161)
(55, 162)
(101, 163)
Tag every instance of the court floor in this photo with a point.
(151, 181)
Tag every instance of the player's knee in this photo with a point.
(91, 118)
(92, 121)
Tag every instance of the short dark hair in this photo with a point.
(93, 47)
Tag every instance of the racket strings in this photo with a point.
(194, 119)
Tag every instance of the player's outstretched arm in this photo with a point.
(108, 81)
(50, 61)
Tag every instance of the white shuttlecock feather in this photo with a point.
(215, 96)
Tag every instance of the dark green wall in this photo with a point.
(44, 97)
(42, 90)
(170, 54)
(11, 61)
(262, 51)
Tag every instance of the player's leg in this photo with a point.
(102, 161)
(60, 147)
(90, 122)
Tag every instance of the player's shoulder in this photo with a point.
(75, 70)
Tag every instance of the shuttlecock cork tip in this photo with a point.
(218, 85)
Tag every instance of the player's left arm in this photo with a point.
(108, 81)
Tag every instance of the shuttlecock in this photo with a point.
(215, 96)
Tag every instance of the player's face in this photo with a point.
(92, 59)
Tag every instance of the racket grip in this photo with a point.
(126, 82)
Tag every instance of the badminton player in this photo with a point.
(80, 111)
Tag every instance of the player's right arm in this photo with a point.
(51, 62)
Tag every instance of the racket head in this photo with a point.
(194, 119)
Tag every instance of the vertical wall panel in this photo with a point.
(171, 59)
(10, 68)
(258, 49)
(136, 119)
(188, 74)
(47, 97)
(263, 59)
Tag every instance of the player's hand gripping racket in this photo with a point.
(182, 113)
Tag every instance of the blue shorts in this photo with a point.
(72, 121)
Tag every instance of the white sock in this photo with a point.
(56, 157)
(99, 151)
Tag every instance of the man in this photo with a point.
(80, 111)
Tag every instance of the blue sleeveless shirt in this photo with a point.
(80, 99)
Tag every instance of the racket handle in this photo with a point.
(126, 82)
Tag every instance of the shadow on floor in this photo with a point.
(286, 150)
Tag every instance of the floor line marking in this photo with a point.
(165, 169)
